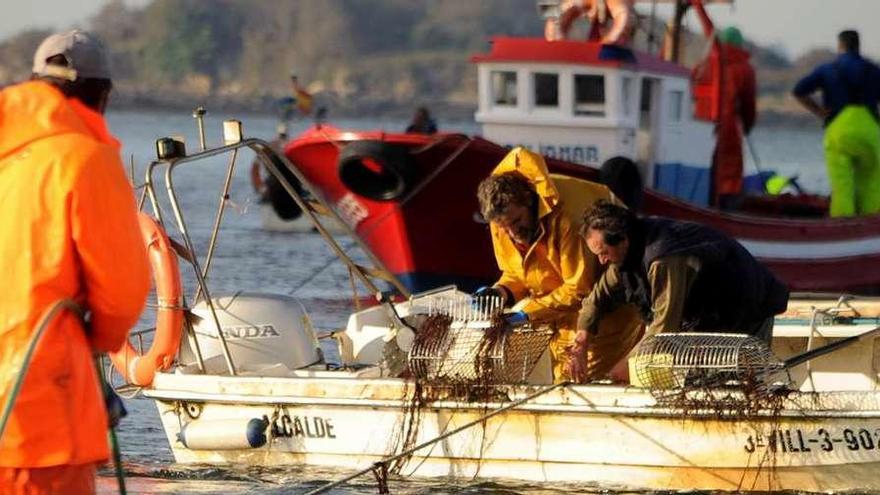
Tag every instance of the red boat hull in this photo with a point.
(430, 235)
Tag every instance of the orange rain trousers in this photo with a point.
(69, 480)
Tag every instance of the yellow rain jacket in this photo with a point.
(558, 271)
(68, 230)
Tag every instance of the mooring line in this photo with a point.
(381, 466)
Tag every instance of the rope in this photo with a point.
(114, 442)
(380, 467)
(327, 263)
(354, 290)
(42, 324)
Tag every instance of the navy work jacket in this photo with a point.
(849, 80)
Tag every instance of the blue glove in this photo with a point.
(513, 320)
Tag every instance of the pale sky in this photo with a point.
(796, 25)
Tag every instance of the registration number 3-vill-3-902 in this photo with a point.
(796, 440)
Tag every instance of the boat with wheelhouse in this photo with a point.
(559, 97)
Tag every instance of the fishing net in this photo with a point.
(452, 352)
(464, 341)
(463, 351)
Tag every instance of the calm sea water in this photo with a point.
(250, 259)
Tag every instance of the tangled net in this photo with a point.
(452, 361)
(444, 353)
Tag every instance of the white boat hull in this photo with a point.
(608, 435)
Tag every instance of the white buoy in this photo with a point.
(224, 434)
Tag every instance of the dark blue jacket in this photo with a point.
(848, 80)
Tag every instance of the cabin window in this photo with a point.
(627, 96)
(646, 103)
(589, 95)
(504, 88)
(546, 90)
(675, 100)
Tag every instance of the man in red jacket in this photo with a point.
(69, 231)
(737, 117)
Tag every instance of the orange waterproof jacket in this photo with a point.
(738, 113)
(68, 230)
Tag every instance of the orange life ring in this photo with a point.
(596, 12)
(137, 369)
(570, 13)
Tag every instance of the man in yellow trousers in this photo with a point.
(850, 87)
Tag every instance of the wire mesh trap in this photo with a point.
(704, 369)
(463, 341)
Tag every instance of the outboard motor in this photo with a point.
(264, 332)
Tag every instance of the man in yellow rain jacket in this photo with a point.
(535, 227)
(69, 231)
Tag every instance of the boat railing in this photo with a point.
(171, 156)
(827, 315)
(819, 317)
(116, 380)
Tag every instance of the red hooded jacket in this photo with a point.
(737, 115)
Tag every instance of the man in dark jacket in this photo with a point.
(682, 276)
(422, 123)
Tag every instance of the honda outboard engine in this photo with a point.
(262, 331)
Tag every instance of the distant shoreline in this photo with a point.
(442, 111)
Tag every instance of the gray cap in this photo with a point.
(85, 54)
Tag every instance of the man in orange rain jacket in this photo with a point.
(69, 230)
(737, 117)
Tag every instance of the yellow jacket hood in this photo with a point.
(532, 166)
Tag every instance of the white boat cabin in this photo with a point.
(560, 99)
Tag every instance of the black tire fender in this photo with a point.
(375, 169)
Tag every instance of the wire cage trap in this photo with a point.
(679, 366)
(463, 341)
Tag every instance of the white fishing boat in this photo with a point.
(249, 384)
